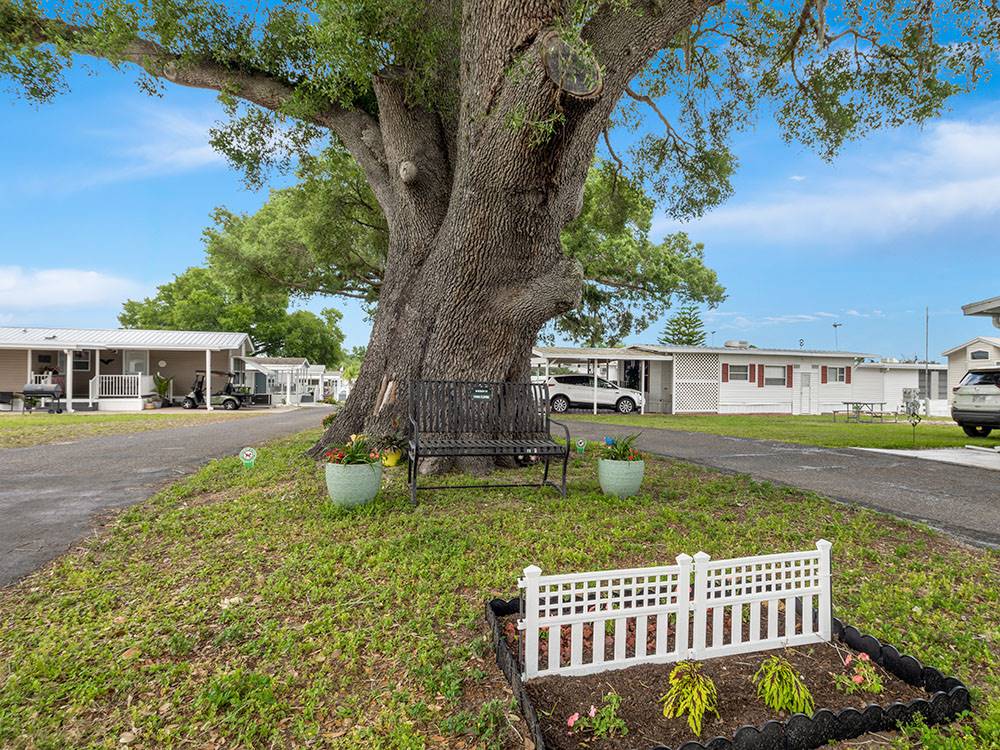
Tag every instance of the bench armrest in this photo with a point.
(565, 429)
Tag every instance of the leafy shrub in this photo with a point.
(861, 676)
(601, 722)
(620, 449)
(328, 419)
(781, 689)
(691, 693)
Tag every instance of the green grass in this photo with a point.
(22, 430)
(809, 430)
(239, 604)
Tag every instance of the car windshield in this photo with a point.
(982, 378)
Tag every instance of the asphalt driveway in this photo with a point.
(52, 495)
(961, 500)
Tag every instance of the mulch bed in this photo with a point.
(556, 698)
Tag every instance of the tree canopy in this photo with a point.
(684, 328)
(327, 235)
(197, 300)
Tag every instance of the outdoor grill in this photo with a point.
(51, 391)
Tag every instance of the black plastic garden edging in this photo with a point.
(947, 697)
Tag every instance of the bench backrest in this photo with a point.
(455, 407)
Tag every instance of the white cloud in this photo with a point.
(152, 141)
(797, 178)
(33, 289)
(950, 173)
(738, 321)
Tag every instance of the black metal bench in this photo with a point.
(451, 419)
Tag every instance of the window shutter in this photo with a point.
(725, 372)
(847, 376)
(753, 373)
(788, 378)
(822, 374)
(760, 376)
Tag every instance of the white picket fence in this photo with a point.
(581, 623)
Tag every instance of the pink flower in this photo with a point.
(593, 712)
(847, 660)
(858, 679)
(572, 720)
(864, 657)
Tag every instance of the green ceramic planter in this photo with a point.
(621, 478)
(353, 484)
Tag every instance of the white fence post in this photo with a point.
(701, 560)
(682, 644)
(825, 590)
(530, 623)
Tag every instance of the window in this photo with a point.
(979, 354)
(739, 372)
(942, 389)
(81, 361)
(982, 378)
(774, 375)
(837, 374)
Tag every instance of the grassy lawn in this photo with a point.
(22, 430)
(809, 430)
(237, 605)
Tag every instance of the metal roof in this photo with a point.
(12, 337)
(904, 365)
(751, 351)
(278, 361)
(580, 354)
(983, 307)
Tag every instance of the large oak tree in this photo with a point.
(476, 121)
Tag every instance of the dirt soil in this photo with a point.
(556, 698)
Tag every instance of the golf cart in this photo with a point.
(229, 397)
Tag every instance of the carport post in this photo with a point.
(288, 388)
(29, 367)
(97, 376)
(69, 381)
(642, 385)
(208, 379)
(595, 386)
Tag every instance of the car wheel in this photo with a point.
(625, 405)
(189, 403)
(976, 430)
(560, 404)
(230, 405)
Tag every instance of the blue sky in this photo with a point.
(105, 194)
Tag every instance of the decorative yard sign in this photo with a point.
(581, 446)
(248, 456)
(697, 609)
(479, 393)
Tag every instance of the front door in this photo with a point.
(135, 363)
(805, 402)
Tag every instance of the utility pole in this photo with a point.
(836, 338)
(927, 356)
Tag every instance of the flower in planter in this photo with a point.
(600, 722)
(620, 449)
(355, 452)
(861, 676)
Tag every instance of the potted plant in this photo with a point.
(392, 448)
(621, 469)
(353, 472)
(162, 386)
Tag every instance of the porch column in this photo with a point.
(69, 381)
(595, 386)
(546, 369)
(288, 388)
(208, 379)
(642, 385)
(29, 367)
(97, 377)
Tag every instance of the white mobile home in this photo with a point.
(982, 351)
(111, 369)
(286, 379)
(740, 379)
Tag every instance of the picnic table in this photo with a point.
(863, 411)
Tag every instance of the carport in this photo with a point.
(544, 357)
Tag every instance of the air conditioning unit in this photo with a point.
(737, 344)
(910, 394)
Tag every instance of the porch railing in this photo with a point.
(115, 386)
(41, 378)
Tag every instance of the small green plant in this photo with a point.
(161, 385)
(781, 689)
(620, 449)
(691, 692)
(861, 676)
(600, 722)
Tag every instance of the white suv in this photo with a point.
(976, 404)
(578, 390)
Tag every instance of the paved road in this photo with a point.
(961, 500)
(51, 495)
